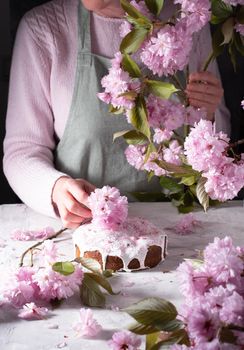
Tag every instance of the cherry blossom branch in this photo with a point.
(208, 61)
(30, 249)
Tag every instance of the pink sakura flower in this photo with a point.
(186, 224)
(173, 153)
(224, 181)
(116, 83)
(192, 282)
(168, 51)
(232, 311)
(109, 208)
(87, 326)
(223, 262)
(31, 311)
(165, 114)
(135, 155)
(29, 235)
(20, 288)
(124, 340)
(242, 104)
(204, 148)
(161, 135)
(53, 285)
(195, 14)
(203, 323)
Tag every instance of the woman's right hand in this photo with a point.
(70, 198)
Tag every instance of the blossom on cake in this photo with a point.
(109, 209)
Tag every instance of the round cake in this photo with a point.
(135, 244)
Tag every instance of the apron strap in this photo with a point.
(84, 32)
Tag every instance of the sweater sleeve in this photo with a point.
(29, 142)
(202, 49)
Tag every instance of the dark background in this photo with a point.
(10, 13)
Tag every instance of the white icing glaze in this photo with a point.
(130, 241)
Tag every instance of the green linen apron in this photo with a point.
(86, 149)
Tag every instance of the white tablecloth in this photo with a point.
(17, 334)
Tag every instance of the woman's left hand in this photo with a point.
(204, 90)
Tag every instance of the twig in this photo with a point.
(55, 235)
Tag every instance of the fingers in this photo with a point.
(75, 207)
(204, 90)
(70, 197)
(204, 77)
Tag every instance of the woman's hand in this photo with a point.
(70, 198)
(204, 90)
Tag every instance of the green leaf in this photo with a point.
(151, 339)
(184, 170)
(141, 329)
(155, 6)
(149, 196)
(170, 184)
(90, 292)
(160, 88)
(130, 66)
(202, 195)
(102, 281)
(138, 117)
(227, 30)
(133, 40)
(132, 11)
(221, 10)
(178, 337)
(188, 180)
(90, 264)
(167, 326)
(152, 311)
(132, 137)
(64, 268)
(115, 110)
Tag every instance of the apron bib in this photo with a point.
(86, 149)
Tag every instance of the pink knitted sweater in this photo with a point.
(41, 88)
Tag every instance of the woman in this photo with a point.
(58, 143)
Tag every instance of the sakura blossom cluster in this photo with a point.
(206, 151)
(168, 49)
(116, 84)
(214, 296)
(136, 156)
(170, 115)
(30, 285)
(109, 208)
